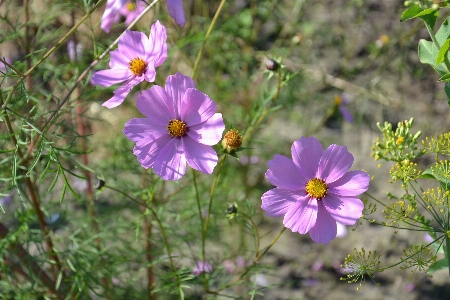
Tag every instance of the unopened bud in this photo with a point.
(232, 211)
(272, 65)
(100, 183)
(231, 141)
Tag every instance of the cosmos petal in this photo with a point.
(196, 107)
(276, 202)
(351, 183)
(111, 76)
(176, 86)
(170, 163)
(306, 154)
(345, 210)
(209, 132)
(283, 173)
(325, 228)
(335, 162)
(301, 216)
(156, 104)
(200, 157)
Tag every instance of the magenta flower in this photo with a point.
(181, 125)
(341, 103)
(111, 15)
(117, 8)
(202, 267)
(314, 189)
(176, 11)
(131, 10)
(133, 61)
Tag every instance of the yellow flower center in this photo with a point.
(337, 100)
(316, 188)
(131, 6)
(138, 66)
(176, 128)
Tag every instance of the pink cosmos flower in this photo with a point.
(117, 8)
(314, 189)
(111, 15)
(131, 10)
(176, 11)
(341, 102)
(133, 61)
(181, 125)
(202, 267)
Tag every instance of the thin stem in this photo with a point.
(89, 192)
(255, 261)
(211, 26)
(28, 261)
(49, 52)
(200, 215)
(436, 43)
(266, 111)
(82, 75)
(447, 250)
(34, 199)
(204, 280)
(163, 232)
(211, 194)
(27, 42)
(148, 244)
(255, 229)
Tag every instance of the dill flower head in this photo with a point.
(438, 145)
(405, 171)
(418, 258)
(358, 266)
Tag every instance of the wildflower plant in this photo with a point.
(416, 209)
(102, 198)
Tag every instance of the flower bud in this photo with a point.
(272, 65)
(231, 141)
(100, 183)
(232, 211)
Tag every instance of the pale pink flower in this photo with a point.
(3, 67)
(131, 10)
(232, 267)
(117, 8)
(111, 15)
(202, 267)
(181, 125)
(315, 189)
(133, 61)
(176, 11)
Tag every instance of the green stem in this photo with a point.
(211, 194)
(200, 53)
(447, 251)
(266, 111)
(199, 207)
(436, 43)
(255, 261)
(87, 70)
(255, 229)
(163, 232)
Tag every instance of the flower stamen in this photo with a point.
(176, 128)
(131, 6)
(138, 66)
(316, 188)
